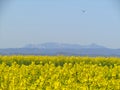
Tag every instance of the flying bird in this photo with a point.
(83, 11)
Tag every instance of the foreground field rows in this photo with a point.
(59, 73)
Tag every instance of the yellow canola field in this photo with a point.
(59, 73)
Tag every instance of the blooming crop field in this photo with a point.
(59, 73)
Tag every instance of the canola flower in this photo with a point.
(59, 73)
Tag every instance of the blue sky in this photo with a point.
(38, 21)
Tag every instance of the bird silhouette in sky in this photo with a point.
(83, 11)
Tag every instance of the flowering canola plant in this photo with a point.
(59, 73)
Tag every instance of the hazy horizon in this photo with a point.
(81, 22)
(49, 43)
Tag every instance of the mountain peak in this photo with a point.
(93, 45)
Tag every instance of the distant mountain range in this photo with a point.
(62, 46)
(61, 49)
